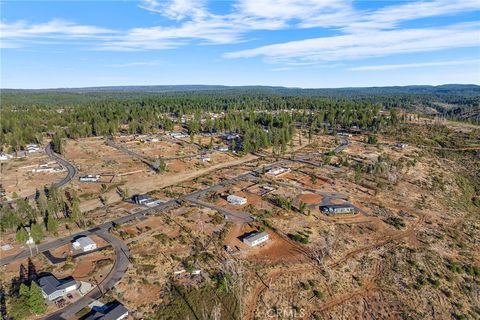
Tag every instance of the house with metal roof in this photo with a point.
(116, 312)
(84, 243)
(256, 238)
(338, 208)
(233, 199)
(52, 288)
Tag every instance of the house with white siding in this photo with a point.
(52, 288)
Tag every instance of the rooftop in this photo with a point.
(85, 241)
(256, 236)
(50, 283)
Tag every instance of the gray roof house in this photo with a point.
(52, 288)
(117, 312)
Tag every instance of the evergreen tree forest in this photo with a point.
(25, 120)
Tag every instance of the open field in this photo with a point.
(16, 175)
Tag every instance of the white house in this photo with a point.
(222, 148)
(52, 288)
(236, 200)
(338, 208)
(85, 244)
(256, 239)
(89, 178)
(278, 171)
(30, 148)
(5, 157)
(178, 135)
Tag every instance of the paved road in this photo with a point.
(119, 268)
(71, 171)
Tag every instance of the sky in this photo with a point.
(294, 43)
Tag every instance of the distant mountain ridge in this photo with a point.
(411, 89)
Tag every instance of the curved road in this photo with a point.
(71, 169)
(71, 172)
(121, 250)
(119, 268)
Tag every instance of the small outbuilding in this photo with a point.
(256, 238)
(85, 244)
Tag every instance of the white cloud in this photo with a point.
(367, 44)
(414, 65)
(360, 33)
(21, 29)
(176, 9)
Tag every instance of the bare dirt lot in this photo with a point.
(16, 175)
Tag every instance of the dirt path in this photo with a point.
(262, 285)
(366, 289)
(165, 181)
(394, 237)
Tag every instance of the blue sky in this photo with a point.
(296, 43)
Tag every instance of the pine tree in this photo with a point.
(36, 302)
(21, 236)
(18, 305)
(36, 232)
(77, 215)
(24, 292)
(52, 225)
(42, 202)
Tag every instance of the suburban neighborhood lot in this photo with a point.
(312, 233)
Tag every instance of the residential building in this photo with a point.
(90, 178)
(222, 148)
(278, 171)
(52, 288)
(84, 243)
(178, 135)
(256, 238)
(115, 312)
(5, 157)
(146, 200)
(141, 198)
(338, 208)
(236, 200)
(30, 148)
